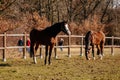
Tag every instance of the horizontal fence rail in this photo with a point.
(69, 44)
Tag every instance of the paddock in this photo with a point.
(70, 48)
(67, 66)
(64, 68)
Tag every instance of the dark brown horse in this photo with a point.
(46, 37)
(94, 38)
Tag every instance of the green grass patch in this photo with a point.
(63, 68)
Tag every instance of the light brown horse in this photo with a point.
(93, 38)
(46, 37)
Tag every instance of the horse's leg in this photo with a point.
(34, 55)
(46, 53)
(93, 52)
(31, 50)
(50, 52)
(99, 52)
(86, 54)
(86, 51)
(41, 53)
(102, 48)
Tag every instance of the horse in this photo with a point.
(46, 37)
(93, 38)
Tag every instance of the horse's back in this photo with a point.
(33, 33)
(102, 35)
(95, 37)
(40, 36)
(99, 36)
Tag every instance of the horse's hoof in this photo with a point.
(56, 57)
(50, 63)
(89, 58)
(41, 57)
(93, 58)
(101, 58)
(103, 55)
(69, 56)
(45, 64)
(81, 54)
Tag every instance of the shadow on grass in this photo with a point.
(5, 65)
(58, 59)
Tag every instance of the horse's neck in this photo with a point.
(54, 30)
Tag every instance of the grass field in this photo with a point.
(63, 68)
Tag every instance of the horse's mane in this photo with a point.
(88, 35)
(53, 28)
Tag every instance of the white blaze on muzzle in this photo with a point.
(67, 29)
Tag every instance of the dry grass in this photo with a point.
(64, 68)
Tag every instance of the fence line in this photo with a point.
(5, 47)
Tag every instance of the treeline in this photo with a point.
(83, 15)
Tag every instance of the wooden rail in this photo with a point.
(69, 45)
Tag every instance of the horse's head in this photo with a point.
(88, 50)
(65, 28)
(87, 43)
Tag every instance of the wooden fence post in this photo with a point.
(4, 45)
(81, 51)
(24, 49)
(69, 41)
(112, 47)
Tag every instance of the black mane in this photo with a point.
(54, 29)
(87, 36)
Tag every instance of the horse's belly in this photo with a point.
(44, 42)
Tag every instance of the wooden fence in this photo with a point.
(69, 45)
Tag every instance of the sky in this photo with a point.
(116, 3)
